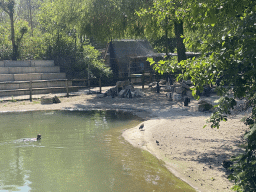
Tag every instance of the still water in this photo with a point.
(79, 151)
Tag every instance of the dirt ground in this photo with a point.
(193, 153)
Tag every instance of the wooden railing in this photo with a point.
(29, 87)
(70, 85)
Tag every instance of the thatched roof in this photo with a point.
(133, 48)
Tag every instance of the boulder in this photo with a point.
(56, 99)
(204, 106)
(162, 82)
(121, 93)
(139, 93)
(129, 87)
(179, 90)
(153, 84)
(168, 88)
(46, 100)
(177, 97)
(49, 99)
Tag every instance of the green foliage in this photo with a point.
(222, 110)
(227, 30)
(5, 44)
(54, 38)
(244, 169)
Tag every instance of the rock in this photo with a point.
(139, 93)
(204, 106)
(129, 87)
(121, 93)
(176, 84)
(128, 92)
(49, 99)
(168, 88)
(56, 99)
(46, 100)
(179, 90)
(162, 82)
(112, 92)
(184, 85)
(177, 97)
(153, 84)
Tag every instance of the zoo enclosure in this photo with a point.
(27, 89)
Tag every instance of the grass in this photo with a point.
(13, 100)
(36, 101)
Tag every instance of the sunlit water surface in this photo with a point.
(79, 151)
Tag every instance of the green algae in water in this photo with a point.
(79, 151)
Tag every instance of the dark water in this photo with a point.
(79, 151)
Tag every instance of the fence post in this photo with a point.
(143, 79)
(30, 91)
(67, 88)
(100, 83)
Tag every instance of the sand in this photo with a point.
(191, 152)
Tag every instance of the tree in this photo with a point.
(64, 41)
(170, 13)
(8, 7)
(227, 30)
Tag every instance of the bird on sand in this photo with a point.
(141, 126)
(157, 142)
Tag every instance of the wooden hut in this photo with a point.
(127, 57)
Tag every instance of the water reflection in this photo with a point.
(79, 151)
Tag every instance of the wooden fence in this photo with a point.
(70, 85)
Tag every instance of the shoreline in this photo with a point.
(196, 158)
(192, 153)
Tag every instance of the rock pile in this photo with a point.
(178, 91)
(123, 89)
(154, 85)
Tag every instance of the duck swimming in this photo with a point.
(33, 139)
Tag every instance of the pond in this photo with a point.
(79, 151)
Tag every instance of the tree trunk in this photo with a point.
(181, 50)
(166, 36)
(14, 46)
(30, 18)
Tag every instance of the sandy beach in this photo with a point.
(172, 132)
